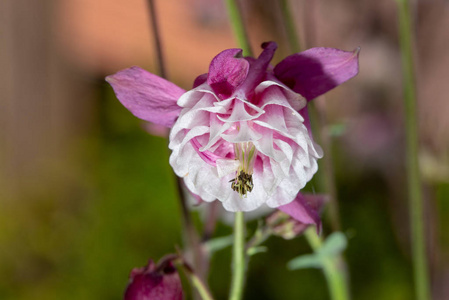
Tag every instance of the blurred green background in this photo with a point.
(87, 194)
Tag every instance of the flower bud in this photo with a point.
(292, 219)
(283, 225)
(153, 282)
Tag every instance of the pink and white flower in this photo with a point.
(242, 134)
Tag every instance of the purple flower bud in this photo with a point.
(152, 282)
(284, 226)
(292, 219)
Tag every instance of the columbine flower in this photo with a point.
(242, 134)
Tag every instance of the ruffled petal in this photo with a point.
(318, 70)
(147, 96)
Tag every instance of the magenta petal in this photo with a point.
(200, 80)
(258, 67)
(305, 209)
(314, 72)
(154, 283)
(146, 95)
(227, 71)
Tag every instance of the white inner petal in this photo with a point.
(286, 155)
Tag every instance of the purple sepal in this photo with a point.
(152, 282)
(147, 96)
(305, 209)
(227, 71)
(315, 71)
(200, 80)
(258, 67)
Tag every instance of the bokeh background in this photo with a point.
(86, 194)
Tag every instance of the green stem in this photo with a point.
(238, 27)
(259, 238)
(290, 27)
(238, 253)
(191, 237)
(413, 177)
(333, 268)
(326, 182)
(238, 258)
(326, 177)
(201, 287)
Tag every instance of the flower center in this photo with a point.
(246, 154)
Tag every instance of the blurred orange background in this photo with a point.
(65, 140)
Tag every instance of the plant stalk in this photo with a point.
(201, 287)
(238, 26)
(238, 251)
(290, 27)
(157, 39)
(420, 267)
(333, 268)
(238, 258)
(191, 238)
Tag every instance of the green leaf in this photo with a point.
(254, 250)
(337, 130)
(335, 244)
(305, 261)
(219, 243)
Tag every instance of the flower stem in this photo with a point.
(420, 267)
(157, 39)
(333, 268)
(318, 113)
(290, 27)
(201, 287)
(319, 123)
(238, 258)
(258, 239)
(238, 26)
(196, 280)
(191, 238)
(238, 251)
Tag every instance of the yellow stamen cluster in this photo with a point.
(243, 183)
(246, 154)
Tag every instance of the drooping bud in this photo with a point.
(293, 218)
(153, 282)
(246, 154)
(285, 226)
